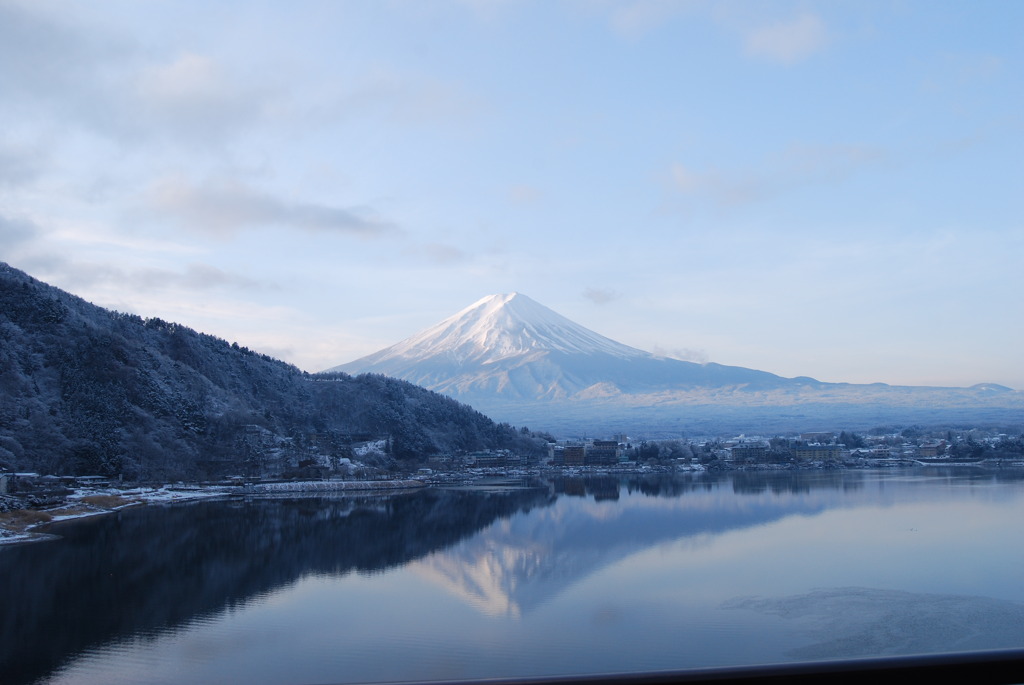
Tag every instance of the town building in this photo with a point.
(756, 450)
(603, 452)
(574, 455)
(816, 452)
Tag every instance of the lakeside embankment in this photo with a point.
(22, 520)
(22, 524)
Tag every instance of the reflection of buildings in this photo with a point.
(598, 487)
(573, 487)
(604, 489)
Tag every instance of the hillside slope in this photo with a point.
(84, 390)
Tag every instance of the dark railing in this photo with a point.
(976, 668)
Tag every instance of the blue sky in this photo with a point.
(827, 189)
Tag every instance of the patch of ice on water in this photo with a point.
(866, 622)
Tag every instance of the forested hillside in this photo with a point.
(84, 390)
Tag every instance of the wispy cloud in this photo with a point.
(42, 58)
(953, 73)
(438, 253)
(796, 166)
(725, 190)
(600, 295)
(205, 277)
(75, 74)
(195, 277)
(405, 98)
(828, 162)
(523, 194)
(19, 164)
(15, 232)
(788, 41)
(194, 97)
(785, 41)
(635, 18)
(228, 206)
(490, 10)
(681, 353)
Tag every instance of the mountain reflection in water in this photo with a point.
(506, 552)
(148, 569)
(519, 564)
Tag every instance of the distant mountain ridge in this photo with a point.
(518, 360)
(84, 390)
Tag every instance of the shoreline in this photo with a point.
(21, 526)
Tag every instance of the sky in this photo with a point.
(830, 189)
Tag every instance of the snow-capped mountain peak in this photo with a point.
(510, 346)
(514, 358)
(500, 327)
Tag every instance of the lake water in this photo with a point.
(564, 576)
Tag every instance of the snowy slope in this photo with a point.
(518, 361)
(514, 347)
(499, 327)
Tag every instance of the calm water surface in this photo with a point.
(561, 577)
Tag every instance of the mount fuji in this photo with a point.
(517, 360)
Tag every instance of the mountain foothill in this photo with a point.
(86, 390)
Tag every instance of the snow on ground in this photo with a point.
(377, 447)
(166, 493)
(8, 537)
(21, 526)
(336, 485)
(85, 502)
